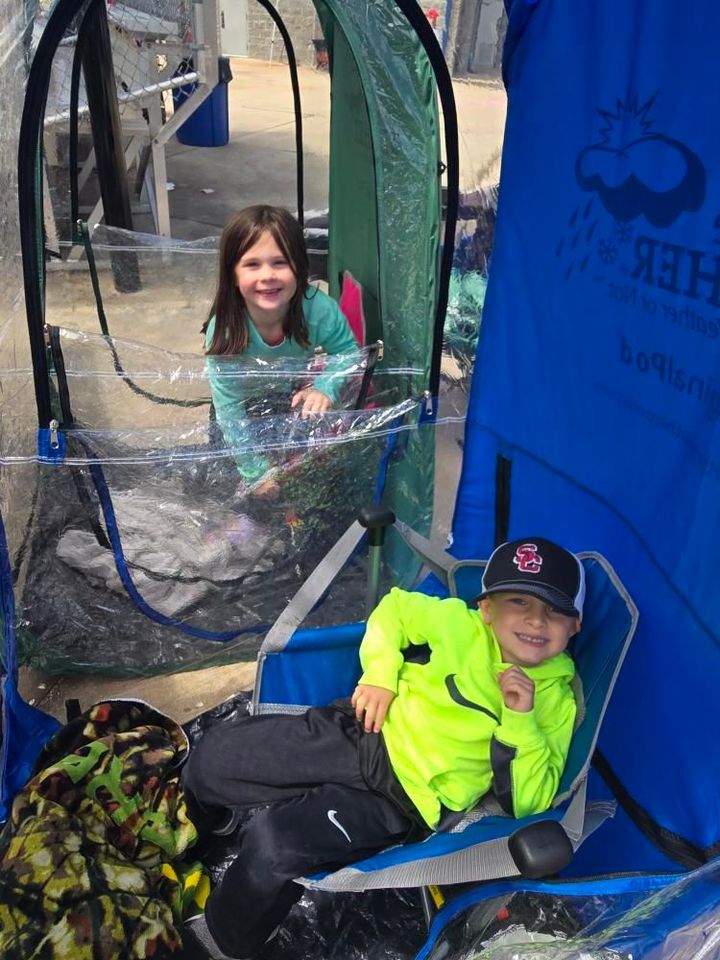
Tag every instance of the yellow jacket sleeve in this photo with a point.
(528, 752)
(399, 620)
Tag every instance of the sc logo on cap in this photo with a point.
(527, 559)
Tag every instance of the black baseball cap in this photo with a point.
(540, 568)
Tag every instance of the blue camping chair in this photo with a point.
(302, 668)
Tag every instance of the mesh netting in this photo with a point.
(149, 549)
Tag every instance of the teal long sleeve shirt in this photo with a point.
(327, 328)
(449, 736)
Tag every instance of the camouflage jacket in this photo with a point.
(85, 856)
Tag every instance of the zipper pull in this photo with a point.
(54, 441)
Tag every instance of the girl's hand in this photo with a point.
(517, 689)
(314, 402)
(372, 704)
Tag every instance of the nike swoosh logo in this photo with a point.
(463, 701)
(332, 817)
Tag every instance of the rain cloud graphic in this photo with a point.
(634, 170)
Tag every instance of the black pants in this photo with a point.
(335, 800)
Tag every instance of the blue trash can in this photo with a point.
(209, 125)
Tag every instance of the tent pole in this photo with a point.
(107, 137)
(292, 65)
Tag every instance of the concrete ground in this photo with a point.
(257, 165)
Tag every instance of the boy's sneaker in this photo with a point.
(197, 935)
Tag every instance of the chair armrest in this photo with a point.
(540, 849)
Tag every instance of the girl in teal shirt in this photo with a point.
(265, 309)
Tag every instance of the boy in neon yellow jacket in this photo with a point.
(452, 703)
(480, 713)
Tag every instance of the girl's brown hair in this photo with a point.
(242, 231)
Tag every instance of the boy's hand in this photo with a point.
(371, 704)
(314, 402)
(518, 690)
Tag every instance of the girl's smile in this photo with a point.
(266, 283)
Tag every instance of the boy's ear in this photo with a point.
(485, 609)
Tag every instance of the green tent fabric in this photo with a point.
(385, 202)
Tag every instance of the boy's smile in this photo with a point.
(528, 630)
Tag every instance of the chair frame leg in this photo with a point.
(428, 906)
